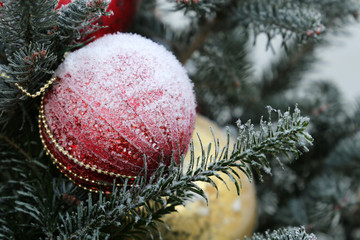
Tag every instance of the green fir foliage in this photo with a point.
(319, 191)
(58, 209)
(291, 233)
(34, 39)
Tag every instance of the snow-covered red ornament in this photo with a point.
(123, 13)
(119, 101)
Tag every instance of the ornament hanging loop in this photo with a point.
(38, 93)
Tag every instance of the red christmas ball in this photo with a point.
(120, 21)
(119, 101)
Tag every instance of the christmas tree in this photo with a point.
(95, 124)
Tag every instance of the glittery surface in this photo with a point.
(117, 101)
(123, 13)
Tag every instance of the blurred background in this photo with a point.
(338, 61)
(321, 190)
(238, 63)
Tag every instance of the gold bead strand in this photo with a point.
(38, 93)
(43, 123)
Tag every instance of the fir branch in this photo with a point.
(13, 25)
(131, 209)
(329, 199)
(30, 66)
(31, 198)
(212, 16)
(334, 10)
(345, 156)
(42, 19)
(202, 8)
(287, 18)
(76, 20)
(198, 41)
(8, 97)
(147, 23)
(293, 63)
(35, 37)
(26, 22)
(284, 138)
(290, 233)
(223, 56)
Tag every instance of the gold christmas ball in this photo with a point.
(227, 216)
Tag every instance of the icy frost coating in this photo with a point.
(117, 99)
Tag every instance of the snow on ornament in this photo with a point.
(123, 13)
(117, 100)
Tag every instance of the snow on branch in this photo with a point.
(150, 197)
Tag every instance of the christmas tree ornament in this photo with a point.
(118, 102)
(227, 216)
(123, 13)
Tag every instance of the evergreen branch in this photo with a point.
(33, 201)
(345, 156)
(131, 208)
(299, 58)
(202, 8)
(284, 17)
(331, 204)
(278, 17)
(254, 147)
(77, 20)
(198, 41)
(278, 80)
(30, 66)
(330, 199)
(333, 10)
(223, 56)
(26, 22)
(290, 233)
(8, 100)
(42, 21)
(34, 38)
(13, 25)
(211, 17)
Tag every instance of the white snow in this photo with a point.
(202, 211)
(236, 206)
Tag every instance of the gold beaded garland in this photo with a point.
(38, 93)
(64, 169)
